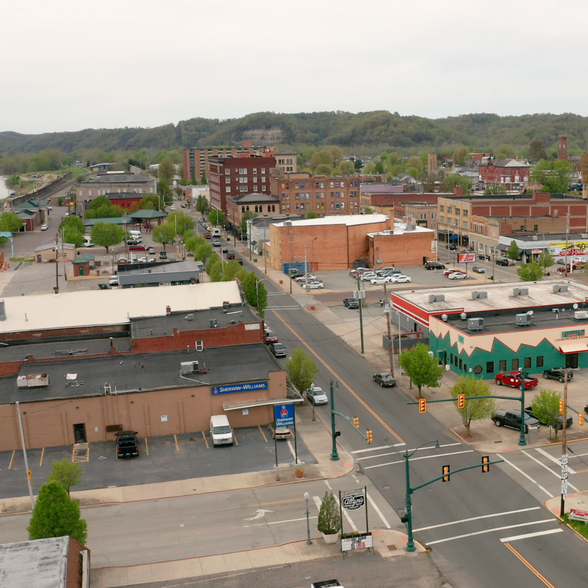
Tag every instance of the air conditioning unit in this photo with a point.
(581, 315)
(475, 324)
(520, 291)
(559, 288)
(189, 367)
(477, 295)
(436, 297)
(522, 320)
(534, 238)
(213, 323)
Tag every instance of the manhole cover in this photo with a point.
(392, 548)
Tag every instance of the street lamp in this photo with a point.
(334, 453)
(410, 544)
(308, 541)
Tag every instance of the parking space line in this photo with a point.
(205, 440)
(262, 433)
(146, 446)
(291, 447)
(42, 455)
(176, 441)
(235, 438)
(11, 459)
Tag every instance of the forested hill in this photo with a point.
(368, 130)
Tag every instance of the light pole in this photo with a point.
(410, 544)
(334, 453)
(312, 250)
(308, 541)
(522, 440)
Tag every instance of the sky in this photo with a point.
(69, 65)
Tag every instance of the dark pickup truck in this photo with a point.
(559, 421)
(127, 444)
(512, 419)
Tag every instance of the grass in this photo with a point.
(579, 526)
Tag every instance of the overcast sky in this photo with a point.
(69, 65)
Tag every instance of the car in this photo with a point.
(578, 259)
(449, 271)
(513, 379)
(216, 243)
(278, 349)
(314, 285)
(385, 379)
(127, 444)
(279, 433)
(162, 255)
(479, 269)
(270, 337)
(379, 280)
(350, 302)
(230, 255)
(358, 270)
(367, 276)
(400, 279)
(433, 265)
(132, 242)
(208, 235)
(305, 277)
(382, 271)
(151, 250)
(484, 257)
(266, 328)
(316, 395)
(512, 419)
(225, 250)
(558, 421)
(502, 261)
(452, 247)
(138, 248)
(558, 374)
(457, 276)
(172, 207)
(44, 226)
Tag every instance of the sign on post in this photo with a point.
(467, 257)
(353, 500)
(284, 415)
(363, 541)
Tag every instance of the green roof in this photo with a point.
(119, 220)
(148, 213)
(86, 258)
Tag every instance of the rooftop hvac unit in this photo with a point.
(558, 288)
(213, 323)
(436, 297)
(534, 238)
(477, 295)
(475, 324)
(520, 291)
(522, 320)
(584, 235)
(189, 367)
(189, 317)
(581, 315)
(288, 223)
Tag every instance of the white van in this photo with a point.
(220, 430)
(135, 234)
(88, 241)
(215, 232)
(113, 281)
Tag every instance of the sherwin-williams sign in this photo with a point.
(249, 387)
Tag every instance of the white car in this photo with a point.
(367, 276)
(401, 279)
(314, 285)
(316, 395)
(44, 226)
(578, 260)
(380, 280)
(457, 276)
(302, 279)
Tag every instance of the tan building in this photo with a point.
(47, 253)
(255, 204)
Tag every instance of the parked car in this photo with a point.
(351, 302)
(225, 250)
(558, 374)
(304, 277)
(132, 242)
(138, 248)
(513, 379)
(558, 422)
(457, 276)
(207, 235)
(151, 250)
(358, 270)
(380, 280)
(434, 265)
(127, 444)
(216, 243)
(484, 257)
(230, 255)
(401, 279)
(270, 337)
(279, 433)
(162, 255)
(44, 226)
(502, 261)
(367, 276)
(512, 419)
(449, 271)
(278, 349)
(479, 269)
(313, 285)
(385, 379)
(382, 271)
(316, 395)
(452, 247)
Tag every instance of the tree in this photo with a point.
(202, 205)
(506, 152)
(232, 268)
(10, 222)
(475, 410)
(554, 176)
(164, 234)
(421, 368)
(346, 167)
(216, 217)
(214, 268)
(513, 250)
(530, 272)
(167, 170)
(455, 180)
(164, 191)
(202, 252)
(65, 472)
(301, 369)
(180, 222)
(56, 515)
(461, 155)
(368, 210)
(329, 518)
(255, 292)
(150, 202)
(545, 407)
(495, 190)
(73, 236)
(312, 214)
(101, 207)
(545, 260)
(536, 150)
(324, 170)
(106, 235)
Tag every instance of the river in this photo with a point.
(5, 192)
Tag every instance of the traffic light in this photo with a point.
(446, 476)
(581, 419)
(562, 407)
(461, 401)
(422, 405)
(485, 464)
(356, 422)
(368, 436)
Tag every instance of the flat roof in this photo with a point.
(65, 347)
(141, 373)
(347, 219)
(111, 307)
(400, 229)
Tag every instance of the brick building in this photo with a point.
(302, 192)
(256, 204)
(383, 199)
(512, 174)
(125, 200)
(424, 213)
(241, 174)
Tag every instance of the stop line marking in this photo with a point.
(400, 452)
(381, 465)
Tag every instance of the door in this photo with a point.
(572, 360)
(79, 433)
(81, 270)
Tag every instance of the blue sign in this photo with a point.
(284, 415)
(250, 387)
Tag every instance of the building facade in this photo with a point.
(512, 174)
(242, 206)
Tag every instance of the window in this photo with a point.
(227, 171)
(263, 170)
(535, 228)
(465, 212)
(442, 219)
(528, 363)
(441, 208)
(502, 365)
(465, 224)
(449, 210)
(199, 345)
(457, 212)
(515, 364)
(489, 367)
(254, 170)
(539, 361)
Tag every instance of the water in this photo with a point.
(4, 190)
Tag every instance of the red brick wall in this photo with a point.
(74, 564)
(401, 250)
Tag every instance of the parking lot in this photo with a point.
(161, 459)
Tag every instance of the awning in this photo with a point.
(453, 237)
(537, 251)
(255, 403)
(574, 347)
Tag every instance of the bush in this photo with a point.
(329, 519)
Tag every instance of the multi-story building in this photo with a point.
(239, 205)
(512, 174)
(302, 192)
(424, 213)
(242, 174)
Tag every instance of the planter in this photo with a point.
(299, 473)
(331, 539)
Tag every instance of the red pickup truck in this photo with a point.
(513, 379)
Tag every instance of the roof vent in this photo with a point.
(436, 297)
(168, 309)
(477, 295)
(558, 288)
(580, 315)
(213, 323)
(522, 320)
(520, 291)
(189, 367)
(534, 238)
(189, 317)
(475, 324)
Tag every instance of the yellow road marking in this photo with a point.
(11, 459)
(361, 401)
(235, 438)
(277, 502)
(42, 455)
(263, 434)
(535, 571)
(205, 440)
(176, 441)
(146, 446)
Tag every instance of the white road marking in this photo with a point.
(485, 531)
(553, 459)
(260, 514)
(526, 475)
(351, 523)
(375, 507)
(402, 451)
(291, 448)
(556, 474)
(488, 516)
(528, 535)
(377, 448)
(279, 522)
(381, 465)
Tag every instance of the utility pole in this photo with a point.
(388, 311)
(24, 452)
(291, 239)
(56, 288)
(359, 297)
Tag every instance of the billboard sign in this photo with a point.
(284, 415)
(467, 257)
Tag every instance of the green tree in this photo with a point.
(101, 207)
(545, 407)
(554, 176)
(194, 241)
(150, 202)
(475, 410)
(203, 179)
(416, 163)
(455, 180)
(203, 252)
(301, 369)
(106, 235)
(65, 472)
(164, 191)
(56, 515)
(202, 205)
(368, 210)
(329, 518)
(10, 222)
(461, 155)
(312, 214)
(180, 222)
(73, 236)
(255, 292)
(530, 272)
(421, 368)
(545, 260)
(164, 234)
(513, 250)
(232, 268)
(336, 156)
(324, 170)
(216, 218)
(495, 190)
(167, 170)
(346, 167)
(74, 222)
(214, 268)
(536, 150)
(506, 152)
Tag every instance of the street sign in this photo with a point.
(353, 500)
(284, 415)
(467, 257)
(363, 541)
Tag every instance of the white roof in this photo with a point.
(348, 219)
(400, 229)
(111, 307)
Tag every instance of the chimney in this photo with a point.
(168, 310)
